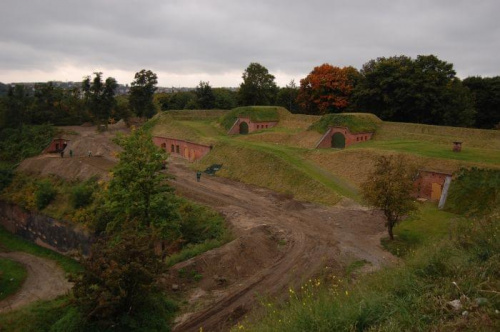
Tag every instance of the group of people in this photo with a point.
(71, 153)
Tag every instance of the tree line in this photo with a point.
(421, 90)
(424, 90)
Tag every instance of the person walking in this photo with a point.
(198, 176)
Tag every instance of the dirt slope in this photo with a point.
(280, 243)
(45, 281)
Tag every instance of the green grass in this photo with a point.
(426, 226)
(356, 122)
(12, 276)
(408, 297)
(13, 242)
(433, 150)
(36, 317)
(295, 158)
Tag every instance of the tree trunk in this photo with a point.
(389, 229)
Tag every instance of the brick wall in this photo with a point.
(181, 148)
(350, 138)
(252, 126)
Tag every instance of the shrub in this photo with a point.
(82, 194)
(45, 193)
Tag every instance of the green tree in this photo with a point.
(486, 98)
(141, 93)
(389, 188)
(225, 99)
(138, 193)
(117, 289)
(423, 90)
(258, 87)
(287, 97)
(205, 96)
(99, 97)
(17, 106)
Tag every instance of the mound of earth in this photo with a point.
(94, 154)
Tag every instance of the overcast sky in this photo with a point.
(185, 41)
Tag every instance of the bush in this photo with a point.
(45, 193)
(82, 194)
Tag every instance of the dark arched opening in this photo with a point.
(338, 141)
(244, 128)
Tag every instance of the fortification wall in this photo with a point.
(43, 230)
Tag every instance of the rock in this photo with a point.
(480, 301)
(465, 313)
(175, 287)
(456, 305)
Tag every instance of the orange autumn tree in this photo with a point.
(327, 89)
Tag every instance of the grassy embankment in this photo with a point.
(323, 175)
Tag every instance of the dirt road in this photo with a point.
(280, 243)
(45, 281)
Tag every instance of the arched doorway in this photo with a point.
(243, 128)
(338, 141)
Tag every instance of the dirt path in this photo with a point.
(45, 281)
(280, 243)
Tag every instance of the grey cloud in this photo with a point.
(215, 37)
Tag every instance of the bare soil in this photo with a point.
(82, 139)
(45, 281)
(280, 243)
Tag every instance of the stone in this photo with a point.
(456, 305)
(175, 287)
(465, 313)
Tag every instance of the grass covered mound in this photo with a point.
(356, 122)
(255, 113)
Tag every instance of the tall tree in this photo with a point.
(225, 99)
(326, 89)
(421, 90)
(486, 98)
(141, 93)
(117, 288)
(389, 188)
(138, 193)
(205, 96)
(258, 87)
(287, 97)
(18, 106)
(99, 96)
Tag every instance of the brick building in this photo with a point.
(341, 137)
(57, 145)
(182, 148)
(244, 125)
(430, 184)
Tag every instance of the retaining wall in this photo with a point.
(43, 230)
